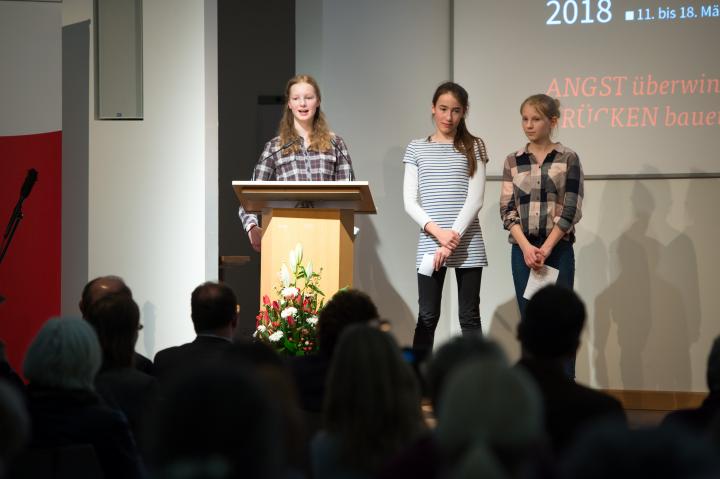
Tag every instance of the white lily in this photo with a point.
(298, 253)
(285, 275)
(308, 269)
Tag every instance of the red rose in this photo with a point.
(266, 299)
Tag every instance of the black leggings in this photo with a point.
(430, 297)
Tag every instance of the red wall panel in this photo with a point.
(30, 272)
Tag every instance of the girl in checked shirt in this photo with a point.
(541, 198)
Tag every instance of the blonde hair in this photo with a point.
(320, 136)
(546, 105)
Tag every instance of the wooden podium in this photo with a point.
(317, 214)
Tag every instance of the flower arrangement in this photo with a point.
(289, 323)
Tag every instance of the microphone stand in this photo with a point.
(15, 219)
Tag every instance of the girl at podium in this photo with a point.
(443, 192)
(304, 150)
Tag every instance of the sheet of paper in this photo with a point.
(540, 278)
(426, 265)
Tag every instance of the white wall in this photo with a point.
(153, 183)
(645, 253)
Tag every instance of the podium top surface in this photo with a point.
(346, 195)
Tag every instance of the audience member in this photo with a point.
(550, 336)
(61, 364)
(14, 424)
(346, 307)
(699, 419)
(7, 372)
(490, 422)
(214, 316)
(372, 406)
(661, 453)
(422, 460)
(116, 319)
(217, 423)
(451, 355)
(275, 375)
(96, 289)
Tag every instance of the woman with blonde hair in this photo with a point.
(304, 150)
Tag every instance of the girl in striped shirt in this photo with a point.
(443, 192)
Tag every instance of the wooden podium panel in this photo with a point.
(326, 236)
(317, 214)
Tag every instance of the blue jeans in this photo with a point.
(562, 258)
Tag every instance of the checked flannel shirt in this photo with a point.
(284, 164)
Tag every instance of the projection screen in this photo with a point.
(638, 81)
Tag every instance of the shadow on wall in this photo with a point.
(652, 298)
(399, 242)
(503, 327)
(372, 278)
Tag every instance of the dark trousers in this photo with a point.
(429, 299)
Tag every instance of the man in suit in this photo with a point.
(700, 419)
(550, 336)
(214, 316)
(100, 287)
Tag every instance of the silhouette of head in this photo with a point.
(554, 319)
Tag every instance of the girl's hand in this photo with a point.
(544, 253)
(533, 257)
(255, 236)
(448, 238)
(441, 255)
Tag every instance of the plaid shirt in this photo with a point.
(283, 164)
(538, 197)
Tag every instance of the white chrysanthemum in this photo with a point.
(288, 312)
(276, 336)
(261, 328)
(312, 320)
(289, 292)
(285, 275)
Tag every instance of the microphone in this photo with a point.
(273, 153)
(278, 150)
(30, 180)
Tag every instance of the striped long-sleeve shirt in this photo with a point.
(538, 197)
(442, 191)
